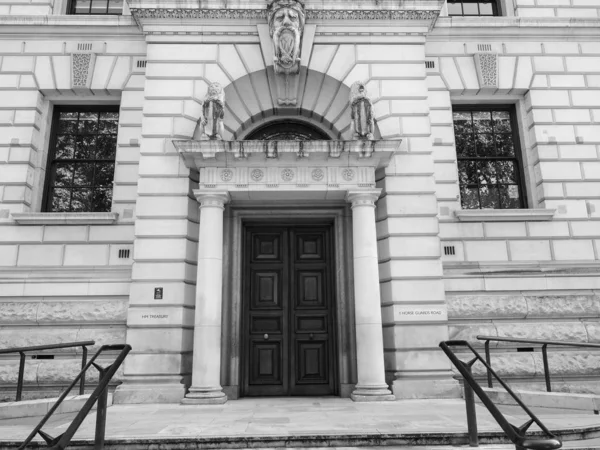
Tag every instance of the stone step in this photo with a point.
(33, 408)
(573, 438)
(558, 400)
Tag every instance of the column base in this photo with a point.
(372, 394)
(135, 392)
(426, 385)
(204, 396)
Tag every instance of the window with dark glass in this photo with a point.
(489, 165)
(114, 7)
(82, 159)
(473, 8)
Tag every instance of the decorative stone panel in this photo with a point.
(487, 70)
(82, 68)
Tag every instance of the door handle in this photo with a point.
(266, 336)
(311, 337)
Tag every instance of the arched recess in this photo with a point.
(322, 102)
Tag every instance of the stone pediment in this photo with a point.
(302, 169)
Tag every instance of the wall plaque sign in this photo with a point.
(158, 293)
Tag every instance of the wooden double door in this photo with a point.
(288, 299)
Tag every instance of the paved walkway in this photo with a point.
(289, 417)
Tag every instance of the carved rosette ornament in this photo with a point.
(286, 24)
(213, 111)
(361, 112)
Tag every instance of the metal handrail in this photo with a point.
(542, 342)
(22, 350)
(100, 394)
(517, 435)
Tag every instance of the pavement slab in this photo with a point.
(290, 417)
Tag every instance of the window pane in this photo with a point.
(104, 174)
(63, 175)
(482, 121)
(67, 123)
(489, 197)
(506, 172)
(486, 170)
(85, 147)
(469, 197)
(65, 147)
(501, 121)
(504, 145)
(84, 174)
(467, 172)
(108, 123)
(509, 196)
(486, 9)
(82, 6)
(99, 6)
(101, 199)
(106, 147)
(470, 9)
(485, 145)
(60, 199)
(455, 9)
(115, 7)
(81, 200)
(88, 123)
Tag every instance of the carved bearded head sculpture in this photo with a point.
(286, 23)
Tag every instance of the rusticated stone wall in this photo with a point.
(83, 306)
(568, 317)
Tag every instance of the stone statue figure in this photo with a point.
(286, 24)
(213, 111)
(361, 112)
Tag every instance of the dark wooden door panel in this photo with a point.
(266, 289)
(288, 311)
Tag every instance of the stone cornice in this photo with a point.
(70, 25)
(512, 28)
(199, 154)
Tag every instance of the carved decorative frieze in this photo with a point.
(82, 67)
(487, 70)
(260, 14)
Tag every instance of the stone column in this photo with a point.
(206, 369)
(371, 385)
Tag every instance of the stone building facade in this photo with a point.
(267, 237)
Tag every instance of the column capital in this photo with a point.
(208, 197)
(363, 197)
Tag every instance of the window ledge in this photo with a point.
(504, 215)
(65, 218)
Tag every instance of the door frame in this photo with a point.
(344, 334)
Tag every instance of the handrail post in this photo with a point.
(470, 406)
(488, 360)
(101, 407)
(21, 375)
(546, 368)
(83, 363)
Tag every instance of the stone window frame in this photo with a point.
(50, 156)
(518, 150)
